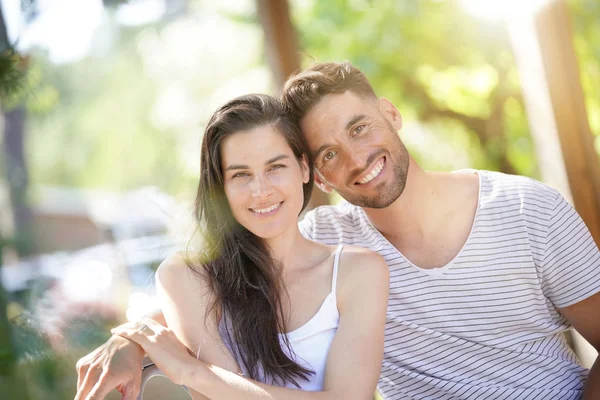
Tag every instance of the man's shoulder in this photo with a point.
(342, 211)
(501, 187)
(332, 221)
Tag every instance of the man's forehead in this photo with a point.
(330, 116)
(332, 112)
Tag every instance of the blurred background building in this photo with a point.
(103, 105)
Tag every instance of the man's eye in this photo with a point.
(358, 129)
(329, 155)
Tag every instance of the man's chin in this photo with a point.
(371, 202)
(379, 201)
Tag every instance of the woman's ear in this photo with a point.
(390, 112)
(304, 169)
(320, 182)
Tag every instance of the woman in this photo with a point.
(266, 310)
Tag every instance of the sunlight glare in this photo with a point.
(87, 280)
(502, 9)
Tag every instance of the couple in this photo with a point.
(485, 271)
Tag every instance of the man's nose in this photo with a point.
(355, 157)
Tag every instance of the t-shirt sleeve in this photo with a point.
(306, 225)
(571, 258)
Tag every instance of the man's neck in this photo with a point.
(413, 213)
(431, 220)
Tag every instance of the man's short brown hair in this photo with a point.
(303, 90)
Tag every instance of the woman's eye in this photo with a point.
(239, 175)
(358, 129)
(277, 166)
(329, 155)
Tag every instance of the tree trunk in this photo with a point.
(283, 56)
(17, 178)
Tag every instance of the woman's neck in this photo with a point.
(287, 248)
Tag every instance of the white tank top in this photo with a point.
(310, 343)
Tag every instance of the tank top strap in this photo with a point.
(336, 262)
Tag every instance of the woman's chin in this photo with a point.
(269, 233)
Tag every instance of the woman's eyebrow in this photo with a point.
(277, 158)
(270, 161)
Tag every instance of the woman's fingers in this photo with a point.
(150, 324)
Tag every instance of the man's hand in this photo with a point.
(117, 364)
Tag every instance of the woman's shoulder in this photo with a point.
(362, 259)
(180, 271)
(359, 266)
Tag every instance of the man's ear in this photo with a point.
(320, 184)
(390, 112)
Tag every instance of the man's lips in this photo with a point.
(373, 172)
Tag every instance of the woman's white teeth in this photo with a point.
(266, 210)
(374, 173)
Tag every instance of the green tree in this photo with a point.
(449, 71)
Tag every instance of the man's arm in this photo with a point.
(117, 364)
(585, 318)
(571, 278)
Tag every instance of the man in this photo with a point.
(486, 270)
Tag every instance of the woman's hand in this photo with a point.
(162, 346)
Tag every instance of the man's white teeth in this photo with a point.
(376, 171)
(266, 210)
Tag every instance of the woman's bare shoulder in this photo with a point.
(181, 271)
(362, 259)
(361, 269)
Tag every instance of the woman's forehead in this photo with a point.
(254, 146)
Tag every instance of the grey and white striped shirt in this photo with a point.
(486, 325)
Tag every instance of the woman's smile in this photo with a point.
(266, 211)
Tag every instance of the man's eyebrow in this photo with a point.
(272, 160)
(320, 150)
(354, 120)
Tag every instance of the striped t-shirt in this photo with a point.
(486, 325)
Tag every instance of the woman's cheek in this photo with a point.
(234, 193)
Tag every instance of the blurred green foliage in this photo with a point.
(451, 75)
(92, 127)
(46, 361)
(585, 15)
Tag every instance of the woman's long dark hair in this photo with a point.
(244, 278)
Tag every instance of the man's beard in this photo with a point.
(388, 194)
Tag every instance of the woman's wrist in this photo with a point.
(129, 344)
(194, 374)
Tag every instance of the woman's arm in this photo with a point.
(354, 359)
(353, 362)
(185, 299)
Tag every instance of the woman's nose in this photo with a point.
(261, 187)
